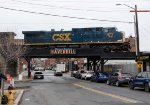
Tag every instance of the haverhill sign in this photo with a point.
(60, 51)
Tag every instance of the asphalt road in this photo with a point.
(67, 90)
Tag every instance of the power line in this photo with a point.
(72, 17)
(84, 1)
(121, 11)
(145, 31)
(61, 7)
(55, 7)
(50, 23)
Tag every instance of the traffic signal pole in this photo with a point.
(137, 40)
(137, 37)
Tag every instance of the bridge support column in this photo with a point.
(29, 68)
(88, 64)
(94, 65)
(102, 65)
(144, 66)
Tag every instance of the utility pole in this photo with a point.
(137, 35)
(138, 58)
(139, 62)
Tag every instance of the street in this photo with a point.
(67, 90)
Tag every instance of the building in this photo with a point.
(19, 41)
(132, 40)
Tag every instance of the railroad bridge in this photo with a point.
(92, 54)
(41, 45)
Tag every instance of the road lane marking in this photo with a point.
(108, 94)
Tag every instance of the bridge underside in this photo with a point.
(92, 54)
(78, 53)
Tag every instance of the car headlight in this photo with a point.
(149, 83)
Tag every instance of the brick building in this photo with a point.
(132, 43)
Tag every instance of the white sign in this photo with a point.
(20, 77)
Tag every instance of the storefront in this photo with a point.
(145, 57)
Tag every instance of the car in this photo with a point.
(78, 74)
(58, 73)
(141, 80)
(36, 69)
(38, 75)
(86, 75)
(119, 78)
(73, 73)
(99, 77)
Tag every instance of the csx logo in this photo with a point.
(61, 37)
(110, 35)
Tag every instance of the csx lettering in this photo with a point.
(61, 37)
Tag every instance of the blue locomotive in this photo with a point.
(107, 37)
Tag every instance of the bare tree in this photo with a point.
(10, 50)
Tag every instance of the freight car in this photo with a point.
(107, 38)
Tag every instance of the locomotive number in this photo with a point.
(61, 37)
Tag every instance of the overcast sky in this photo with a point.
(57, 14)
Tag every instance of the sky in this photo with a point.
(44, 15)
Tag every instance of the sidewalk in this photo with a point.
(19, 92)
(17, 97)
(24, 79)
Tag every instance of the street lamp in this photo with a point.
(136, 29)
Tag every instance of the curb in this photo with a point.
(17, 101)
(23, 80)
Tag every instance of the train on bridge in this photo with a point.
(107, 38)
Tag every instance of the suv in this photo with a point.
(38, 75)
(58, 73)
(99, 77)
(119, 78)
(141, 80)
(86, 75)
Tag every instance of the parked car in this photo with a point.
(86, 75)
(119, 78)
(58, 73)
(73, 73)
(141, 80)
(36, 69)
(78, 74)
(99, 77)
(38, 75)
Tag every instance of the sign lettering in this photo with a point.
(63, 51)
(61, 37)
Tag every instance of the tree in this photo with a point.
(10, 50)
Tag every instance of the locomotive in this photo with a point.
(107, 38)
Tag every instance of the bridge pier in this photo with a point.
(94, 65)
(102, 65)
(88, 64)
(29, 67)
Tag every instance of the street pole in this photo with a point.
(137, 39)
(137, 34)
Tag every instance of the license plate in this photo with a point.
(39, 76)
(127, 78)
